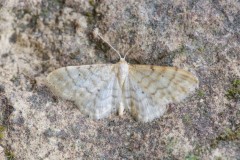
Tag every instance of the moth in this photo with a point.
(101, 89)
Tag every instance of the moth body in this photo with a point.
(123, 70)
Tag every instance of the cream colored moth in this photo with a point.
(101, 89)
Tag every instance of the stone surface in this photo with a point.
(37, 37)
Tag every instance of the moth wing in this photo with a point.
(148, 89)
(93, 88)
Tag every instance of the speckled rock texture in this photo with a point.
(37, 37)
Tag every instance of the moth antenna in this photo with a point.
(96, 33)
(129, 51)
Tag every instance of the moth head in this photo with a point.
(122, 60)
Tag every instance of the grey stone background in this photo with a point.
(37, 37)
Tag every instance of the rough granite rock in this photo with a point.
(37, 37)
